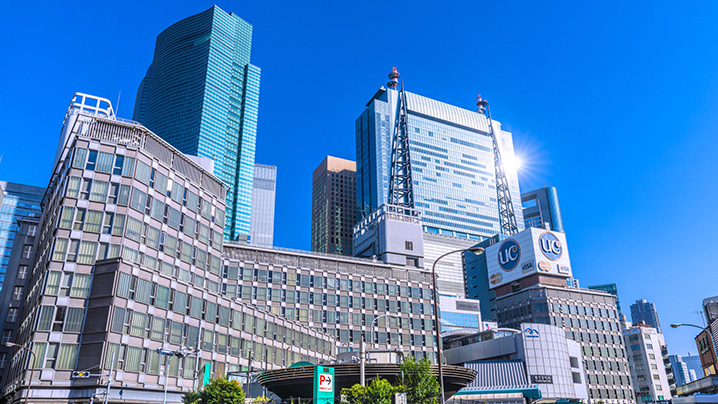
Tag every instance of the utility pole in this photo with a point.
(109, 379)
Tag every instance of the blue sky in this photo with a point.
(614, 103)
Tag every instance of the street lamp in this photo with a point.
(32, 369)
(437, 318)
(181, 353)
(710, 337)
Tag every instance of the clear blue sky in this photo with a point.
(614, 103)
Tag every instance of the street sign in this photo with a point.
(323, 385)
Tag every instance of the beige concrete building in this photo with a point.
(334, 211)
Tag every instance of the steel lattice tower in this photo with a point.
(401, 191)
(507, 217)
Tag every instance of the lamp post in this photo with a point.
(710, 336)
(32, 369)
(181, 353)
(437, 318)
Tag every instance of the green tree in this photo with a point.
(222, 391)
(418, 381)
(379, 391)
(191, 397)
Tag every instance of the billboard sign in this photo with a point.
(527, 253)
(323, 385)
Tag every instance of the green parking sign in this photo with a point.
(323, 385)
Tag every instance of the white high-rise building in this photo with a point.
(645, 360)
(264, 191)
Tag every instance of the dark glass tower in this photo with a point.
(201, 94)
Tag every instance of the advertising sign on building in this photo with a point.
(323, 385)
(526, 253)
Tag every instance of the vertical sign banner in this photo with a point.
(206, 374)
(323, 385)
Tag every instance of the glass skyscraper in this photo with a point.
(541, 207)
(16, 201)
(201, 94)
(263, 197)
(645, 311)
(452, 160)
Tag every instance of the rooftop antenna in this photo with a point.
(507, 217)
(117, 106)
(401, 191)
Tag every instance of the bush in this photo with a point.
(379, 391)
(218, 391)
(418, 381)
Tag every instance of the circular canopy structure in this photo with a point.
(297, 382)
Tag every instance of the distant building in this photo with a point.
(541, 209)
(450, 269)
(334, 212)
(648, 373)
(16, 287)
(16, 201)
(693, 363)
(645, 311)
(681, 372)
(264, 190)
(201, 94)
(612, 289)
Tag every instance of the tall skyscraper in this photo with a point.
(681, 372)
(263, 197)
(645, 311)
(452, 164)
(541, 207)
(334, 211)
(16, 201)
(201, 94)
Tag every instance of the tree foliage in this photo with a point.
(191, 397)
(418, 381)
(221, 391)
(379, 391)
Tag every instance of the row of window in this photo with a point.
(609, 380)
(604, 352)
(157, 328)
(323, 282)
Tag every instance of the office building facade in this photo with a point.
(128, 262)
(11, 297)
(334, 212)
(589, 318)
(541, 209)
(264, 193)
(16, 201)
(645, 358)
(344, 297)
(452, 158)
(201, 94)
(645, 311)
(551, 361)
(612, 289)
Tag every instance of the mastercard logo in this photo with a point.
(496, 279)
(544, 266)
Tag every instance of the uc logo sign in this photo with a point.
(550, 246)
(509, 255)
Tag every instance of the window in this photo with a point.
(649, 346)
(73, 319)
(21, 274)
(12, 314)
(17, 293)
(85, 189)
(408, 245)
(104, 162)
(68, 213)
(27, 251)
(128, 167)
(143, 172)
(59, 321)
(73, 187)
(117, 167)
(52, 285)
(6, 334)
(93, 221)
(87, 253)
(81, 285)
(91, 160)
(139, 200)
